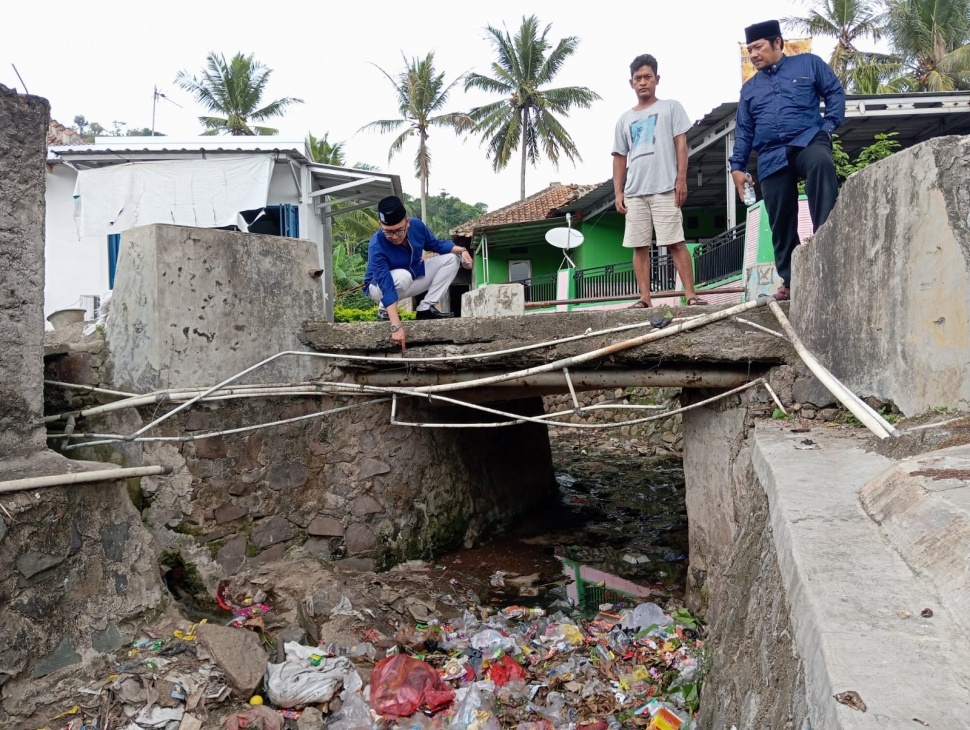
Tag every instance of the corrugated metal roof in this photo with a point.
(329, 184)
(113, 150)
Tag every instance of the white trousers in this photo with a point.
(439, 272)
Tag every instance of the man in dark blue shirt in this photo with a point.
(397, 269)
(778, 116)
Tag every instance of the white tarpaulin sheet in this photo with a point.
(203, 193)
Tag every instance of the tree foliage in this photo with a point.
(846, 21)
(446, 211)
(321, 150)
(89, 130)
(883, 146)
(527, 117)
(929, 41)
(931, 37)
(234, 90)
(421, 97)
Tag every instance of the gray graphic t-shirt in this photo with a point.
(646, 139)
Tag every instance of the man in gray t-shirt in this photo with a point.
(650, 178)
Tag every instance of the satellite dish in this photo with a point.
(564, 238)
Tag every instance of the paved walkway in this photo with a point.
(856, 604)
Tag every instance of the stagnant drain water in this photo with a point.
(619, 529)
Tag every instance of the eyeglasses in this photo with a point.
(395, 232)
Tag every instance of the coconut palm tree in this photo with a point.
(421, 95)
(526, 118)
(932, 37)
(234, 89)
(322, 151)
(846, 21)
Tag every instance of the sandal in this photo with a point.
(640, 304)
(783, 294)
(696, 302)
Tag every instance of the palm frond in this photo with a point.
(234, 89)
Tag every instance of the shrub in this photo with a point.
(345, 314)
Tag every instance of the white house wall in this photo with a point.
(74, 265)
(77, 265)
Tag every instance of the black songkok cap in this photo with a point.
(766, 29)
(391, 210)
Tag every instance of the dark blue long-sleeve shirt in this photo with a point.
(382, 256)
(779, 107)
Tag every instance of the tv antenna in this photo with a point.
(566, 239)
(21, 78)
(156, 95)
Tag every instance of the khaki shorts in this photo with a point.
(648, 213)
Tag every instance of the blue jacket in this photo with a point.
(779, 107)
(382, 256)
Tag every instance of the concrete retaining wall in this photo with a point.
(880, 293)
(807, 601)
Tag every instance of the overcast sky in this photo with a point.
(104, 59)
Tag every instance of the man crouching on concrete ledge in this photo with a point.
(396, 269)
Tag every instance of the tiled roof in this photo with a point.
(57, 133)
(534, 208)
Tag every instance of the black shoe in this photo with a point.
(433, 313)
(382, 316)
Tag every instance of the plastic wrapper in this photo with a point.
(401, 684)
(354, 714)
(490, 642)
(255, 718)
(474, 710)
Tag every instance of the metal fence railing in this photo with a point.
(540, 288)
(618, 280)
(720, 258)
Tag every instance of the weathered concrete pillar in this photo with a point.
(880, 294)
(194, 306)
(23, 150)
(75, 562)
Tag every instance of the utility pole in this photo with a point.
(156, 95)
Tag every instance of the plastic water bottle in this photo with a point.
(749, 196)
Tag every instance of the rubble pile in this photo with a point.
(303, 647)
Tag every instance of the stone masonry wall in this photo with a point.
(79, 572)
(348, 486)
(662, 435)
(23, 149)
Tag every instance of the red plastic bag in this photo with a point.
(503, 670)
(401, 684)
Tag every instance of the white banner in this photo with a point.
(203, 193)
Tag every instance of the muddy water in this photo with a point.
(620, 526)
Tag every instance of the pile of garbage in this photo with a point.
(633, 666)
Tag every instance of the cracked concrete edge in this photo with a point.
(922, 506)
(855, 604)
